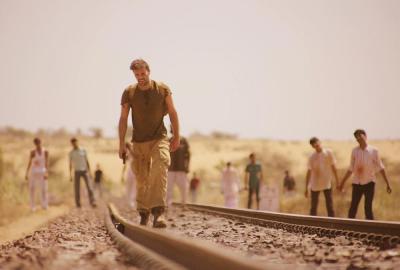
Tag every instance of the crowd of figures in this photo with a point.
(156, 164)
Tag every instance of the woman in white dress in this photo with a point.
(129, 176)
(230, 186)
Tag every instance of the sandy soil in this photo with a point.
(28, 224)
(77, 240)
(276, 246)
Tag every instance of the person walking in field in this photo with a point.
(129, 176)
(98, 181)
(252, 179)
(320, 174)
(177, 172)
(289, 184)
(78, 162)
(149, 102)
(365, 163)
(194, 188)
(37, 174)
(230, 186)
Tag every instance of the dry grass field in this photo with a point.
(208, 157)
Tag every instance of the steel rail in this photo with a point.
(385, 234)
(189, 253)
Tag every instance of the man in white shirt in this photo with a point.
(320, 173)
(365, 163)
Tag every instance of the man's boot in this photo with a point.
(144, 216)
(158, 213)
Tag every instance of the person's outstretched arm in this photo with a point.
(388, 188)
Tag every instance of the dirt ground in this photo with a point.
(77, 240)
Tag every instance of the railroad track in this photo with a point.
(383, 234)
(155, 249)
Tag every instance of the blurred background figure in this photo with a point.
(37, 173)
(98, 181)
(129, 176)
(194, 187)
(253, 177)
(230, 186)
(79, 162)
(177, 172)
(289, 184)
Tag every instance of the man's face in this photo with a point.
(74, 144)
(253, 158)
(361, 138)
(317, 146)
(38, 143)
(142, 75)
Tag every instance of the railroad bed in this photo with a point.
(271, 242)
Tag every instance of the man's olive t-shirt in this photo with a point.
(148, 111)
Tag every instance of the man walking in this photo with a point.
(78, 162)
(194, 187)
(149, 102)
(252, 178)
(177, 173)
(365, 163)
(37, 173)
(320, 173)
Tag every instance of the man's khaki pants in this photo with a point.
(150, 165)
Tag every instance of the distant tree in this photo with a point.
(97, 132)
(223, 135)
(61, 133)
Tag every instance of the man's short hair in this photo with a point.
(73, 140)
(358, 132)
(313, 140)
(252, 155)
(228, 164)
(36, 140)
(138, 64)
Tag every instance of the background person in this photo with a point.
(230, 186)
(37, 174)
(78, 162)
(177, 172)
(253, 177)
(129, 176)
(194, 188)
(365, 163)
(320, 174)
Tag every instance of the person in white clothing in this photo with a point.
(37, 173)
(365, 163)
(129, 176)
(230, 186)
(320, 174)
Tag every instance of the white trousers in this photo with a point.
(131, 188)
(36, 180)
(231, 201)
(181, 180)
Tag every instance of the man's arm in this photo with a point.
(88, 166)
(388, 188)
(46, 157)
(122, 127)
(29, 164)
(70, 168)
(308, 176)
(346, 176)
(334, 170)
(246, 180)
(173, 117)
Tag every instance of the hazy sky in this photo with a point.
(271, 69)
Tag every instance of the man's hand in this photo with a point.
(122, 151)
(175, 142)
(70, 178)
(306, 193)
(46, 175)
(26, 177)
(388, 189)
